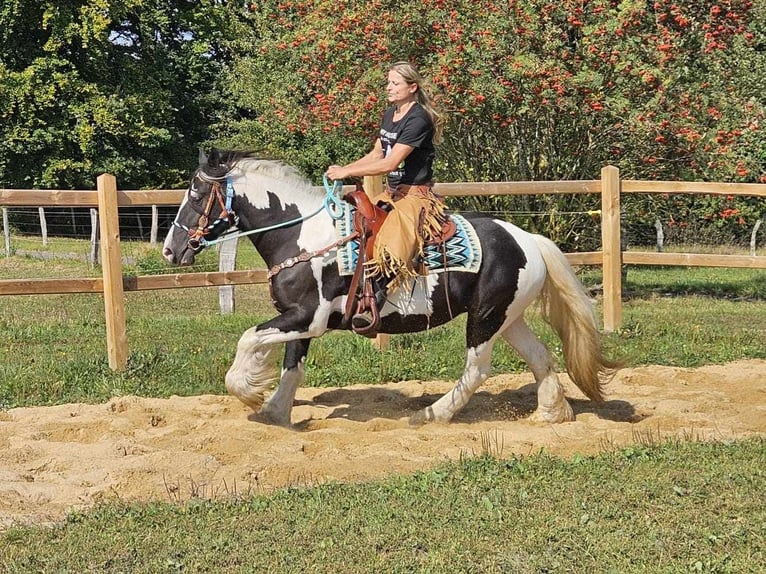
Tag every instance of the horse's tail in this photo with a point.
(567, 308)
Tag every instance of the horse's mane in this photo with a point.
(222, 162)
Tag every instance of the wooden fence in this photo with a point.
(108, 199)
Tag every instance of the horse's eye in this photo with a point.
(194, 193)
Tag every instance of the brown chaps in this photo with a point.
(416, 218)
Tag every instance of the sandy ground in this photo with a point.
(54, 459)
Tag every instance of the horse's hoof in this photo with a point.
(418, 419)
(267, 418)
(422, 417)
(553, 416)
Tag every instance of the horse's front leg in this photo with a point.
(278, 406)
(252, 372)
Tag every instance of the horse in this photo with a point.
(292, 225)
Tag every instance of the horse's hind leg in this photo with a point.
(552, 405)
(477, 366)
(278, 406)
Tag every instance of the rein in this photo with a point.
(332, 203)
(334, 207)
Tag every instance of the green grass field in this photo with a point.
(671, 507)
(654, 507)
(53, 348)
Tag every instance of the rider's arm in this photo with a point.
(374, 163)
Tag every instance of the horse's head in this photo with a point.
(205, 212)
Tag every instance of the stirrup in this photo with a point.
(362, 320)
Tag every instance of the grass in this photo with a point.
(53, 348)
(654, 507)
(668, 507)
(69, 255)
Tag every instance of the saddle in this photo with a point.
(367, 221)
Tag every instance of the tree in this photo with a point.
(94, 86)
(533, 89)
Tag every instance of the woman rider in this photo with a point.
(405, 152)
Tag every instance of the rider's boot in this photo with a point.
(364, 320)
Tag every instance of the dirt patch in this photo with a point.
(53, 459)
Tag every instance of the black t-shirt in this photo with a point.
(415, 129)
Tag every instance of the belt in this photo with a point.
(404, 189)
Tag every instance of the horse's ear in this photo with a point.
(202, 157)
(214, 159)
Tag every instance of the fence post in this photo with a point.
(373, 186)
(227, 257)
(660, 235)
(155, 226)
(111, 262)
(612, 252)
(93, 255)
(754, 233)
(6, 232)
(43, 224)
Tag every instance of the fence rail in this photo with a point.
(131, 283)
(73, 198)
(107, 198)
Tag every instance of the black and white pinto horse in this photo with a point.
(294, 232)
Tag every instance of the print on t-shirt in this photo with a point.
(388, 139)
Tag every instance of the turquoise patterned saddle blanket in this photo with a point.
(463, 250)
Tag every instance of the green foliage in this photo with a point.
(533, 90)
(541, 91)
(94, 86)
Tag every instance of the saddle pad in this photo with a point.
(463, 251)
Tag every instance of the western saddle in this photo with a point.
(368, 219)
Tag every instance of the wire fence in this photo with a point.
(70, 233)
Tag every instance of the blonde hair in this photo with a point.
(412, 76)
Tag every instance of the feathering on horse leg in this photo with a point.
(278, 406)
(477, 367)
(552, 405)
(251, 373)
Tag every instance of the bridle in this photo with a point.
(197, 240)
(332, 204)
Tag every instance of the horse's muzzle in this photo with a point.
(187, 257)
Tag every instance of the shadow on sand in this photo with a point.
(364, 404)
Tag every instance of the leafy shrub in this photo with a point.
(534, 90)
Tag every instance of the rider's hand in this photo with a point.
(336, 172)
